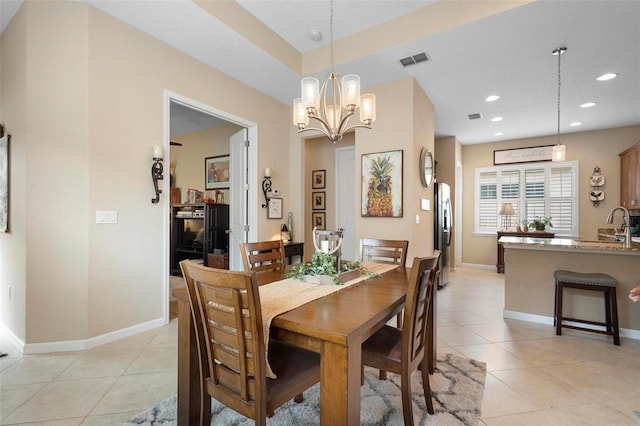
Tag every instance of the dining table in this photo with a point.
(335, 326)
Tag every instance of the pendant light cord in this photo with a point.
(559, 55)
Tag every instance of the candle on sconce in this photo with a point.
(267, 172)
(324, 246)
(157, 151)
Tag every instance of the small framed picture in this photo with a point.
(318, 200)
(317, 178)
(318, 220)
(274, 210)
(216, 172)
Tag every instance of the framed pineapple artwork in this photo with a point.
(382, 184)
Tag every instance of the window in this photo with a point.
(536, 190)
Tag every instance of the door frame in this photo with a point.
(252, 178)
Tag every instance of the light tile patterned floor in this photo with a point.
(534, 377)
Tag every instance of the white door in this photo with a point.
(238, 196)
(346, 200)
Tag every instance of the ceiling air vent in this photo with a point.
(476, 116)
(414, 59)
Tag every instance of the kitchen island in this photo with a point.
(530, 285)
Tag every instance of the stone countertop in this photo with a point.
(565, 244)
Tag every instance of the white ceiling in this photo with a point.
(508, 54)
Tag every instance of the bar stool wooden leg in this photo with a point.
(558, 309)
(614, 314)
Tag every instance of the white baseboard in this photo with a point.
(478, 266)
(540, 319)
(78, 345)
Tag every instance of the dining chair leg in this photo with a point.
(407, 407)
(383, 375)
(299, 398)
(426, 387)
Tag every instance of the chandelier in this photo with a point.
(558, 149)
(333, 104)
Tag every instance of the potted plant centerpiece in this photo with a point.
(322, 270)
(540, 223)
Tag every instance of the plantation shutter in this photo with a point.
(534, 193)
(488, 204)
(534, 190)
(560, 198)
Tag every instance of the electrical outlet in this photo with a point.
(417, 219)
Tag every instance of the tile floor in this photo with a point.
(534, 377)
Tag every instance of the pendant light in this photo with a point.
(558, 149)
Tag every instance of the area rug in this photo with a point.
(457, 387)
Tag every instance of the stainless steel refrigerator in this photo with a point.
(443, 222)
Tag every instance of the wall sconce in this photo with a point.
(156, 171)
(266, 186)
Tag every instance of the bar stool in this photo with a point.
(593, 282)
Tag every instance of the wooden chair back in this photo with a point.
(384, 251)
(225, 307)
(263, 256)
(416, 312)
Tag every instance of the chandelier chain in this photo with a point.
(331, 35)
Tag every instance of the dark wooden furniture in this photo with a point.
(293, 249)
(384, 251)
(334, 325)
(591, 282)
(263, 256)
(403, 351)
(630, 177)
(534, 234)
(197, 230)
(226, 307)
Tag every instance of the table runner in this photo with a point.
(285, 295)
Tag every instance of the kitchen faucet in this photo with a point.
(627, 221)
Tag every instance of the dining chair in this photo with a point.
(226, 313)
(263, 256)
(385, 251)
(403, 351)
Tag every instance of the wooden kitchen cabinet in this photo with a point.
(630, 177)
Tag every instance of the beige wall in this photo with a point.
(13, 244)
(87, 96)
(189, 158)
(598, 148)
(405, 121)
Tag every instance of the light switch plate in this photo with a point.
(106, 216)
(425, 204)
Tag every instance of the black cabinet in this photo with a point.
(196, 231)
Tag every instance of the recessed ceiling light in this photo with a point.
(608, 76)
(492, 98)
(575, 123)
(588, 105)
(498, 134)
(496, 119)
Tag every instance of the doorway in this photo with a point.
(185, 114)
